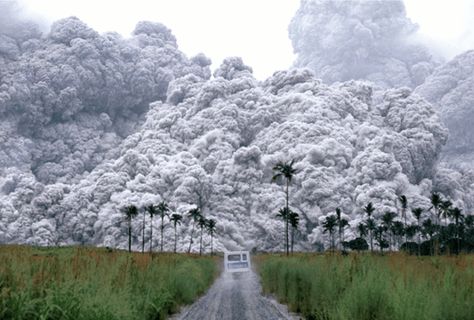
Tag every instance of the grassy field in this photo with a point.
(90, 283)
(364, 287)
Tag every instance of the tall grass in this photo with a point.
(87, 283)
(369, 287)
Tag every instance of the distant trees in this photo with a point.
(211, 229)
(329, 226)
(194, 214)
(202, 224)
(163, 211)
(447, 230)
(287, 171)
(294, 220)
(369, 210)
(176, 220)
(131, 212)
(151, 209)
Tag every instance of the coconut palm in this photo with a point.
(294, 220)
(151, 209)
(457, 215)
(369, 210)
(211, 229)
(284, 214)
(176, 220)
(404, 204)
(287, 171)
(131, 212)
(387, 220)
(397, 231)
(163, 211)
(417, 212)
(143, 231)
(379, 237)
(371, 226)
(362, 229)
(445, 211)
(341, 225)
(429, 229)
(436, 202)
(194, 214)
(329, 225)
(202, 223)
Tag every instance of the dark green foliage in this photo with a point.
(358, 244)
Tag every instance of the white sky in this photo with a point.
(256, 30)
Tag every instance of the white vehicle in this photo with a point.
(237, 261)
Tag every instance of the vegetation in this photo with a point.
(176, 219)
(131, 212)
(363, 286)
(99, 284)
(287, 171)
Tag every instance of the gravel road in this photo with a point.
(235, 296)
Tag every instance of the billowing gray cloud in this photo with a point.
(363, 39)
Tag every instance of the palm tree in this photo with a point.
(397, 231)
(457, 215)
(284, 214)
(387, 220)
(143, 231)
(285, 170)
(131, 212)
(294, 220)
(417, 212)
(436, 202)
(202, 223)
(151, 209)
(404, 203)
(371, 226)
(429, 229)
(176, 219)
(194, 214)
(329, 225)
(379, 237)
(211, 229)
(362, 229)
(341, 224)
(445, 211)
(369, 210)
(163, 210)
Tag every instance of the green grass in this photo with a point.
(90, 283)
(365, 287)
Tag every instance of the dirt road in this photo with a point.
(235, 296)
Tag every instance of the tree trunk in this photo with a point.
(405, 223)
(175, 239)
(212, 244)
(287, 216)
(200, 244)
(292, 239)
(191, 240)
(143, 233)
(162, 228)
(151, 234)
(419, 239)
(371, 241)
(129, 235)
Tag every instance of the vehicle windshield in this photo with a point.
(233, 257)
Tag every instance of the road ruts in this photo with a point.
(235, 296)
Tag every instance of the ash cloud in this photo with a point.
(370, 40)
